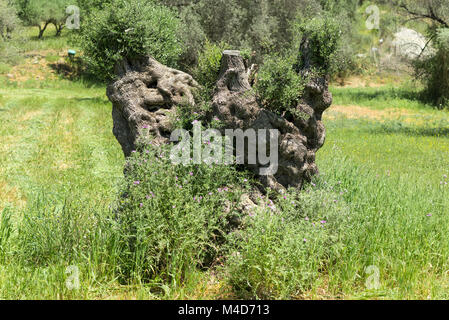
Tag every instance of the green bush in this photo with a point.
(4, 68)
(8, 19)
(209, 61)
(10, 55)
(127, 29)
(279, 86)
(434, 70)
(283, 248)
(173, 218)
(323, 36)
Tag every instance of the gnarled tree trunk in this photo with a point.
(144, 95)
(235, 104)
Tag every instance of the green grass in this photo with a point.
(4, 68)
(394, 172)
(28, 40)
(59, 160)
(385, 97)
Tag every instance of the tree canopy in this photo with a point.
(41, 13)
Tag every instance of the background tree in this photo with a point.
(262, 26)
(8, 19)
(42, 13)
(432, 68)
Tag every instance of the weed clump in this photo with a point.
(173, 218)
(282, 248)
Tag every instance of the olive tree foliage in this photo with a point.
(432, 69)
(435, 11)
(8, 19)
(128, 29)
(42, 13)
(318, 40)
(282, 77)
(87, 6)
(262, 26)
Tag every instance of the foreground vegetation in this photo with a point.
(383, 194)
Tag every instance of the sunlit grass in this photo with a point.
(58, 141)
(395, 173)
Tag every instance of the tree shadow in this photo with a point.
(97, 100)
(438, 131)
(74, 70)
(360, 94)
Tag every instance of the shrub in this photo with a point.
(126, 29)
(173, 218)
(279, 86)
(209, 62)
(8, 19)
(323, 36)
(192, 36)
(4, 68)
(434, 70)
(282, 249)
(10, 55)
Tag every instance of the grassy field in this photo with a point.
(386, 157)
(392, 155)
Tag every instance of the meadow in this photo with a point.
(385, 164)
